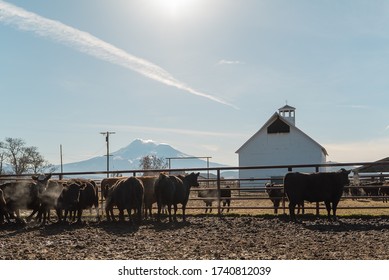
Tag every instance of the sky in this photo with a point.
(202, 76)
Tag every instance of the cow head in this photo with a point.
(191, 179)
(41, 181)
(344, 176)
(70, 196)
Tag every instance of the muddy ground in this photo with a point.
(202, 237)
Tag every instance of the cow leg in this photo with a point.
(129, 216)
(169, 209)
(34, 211)
(276, 206)
(292, 206)
(79, 212)
(328, 207)
(159, 212)
(65, 215)
(112, 215)
(175, 212)
(334, 207)
(140, 214)
(183, 213)
(121, 215)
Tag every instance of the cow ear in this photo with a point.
(198, 174)
(48, 176)
(35, 177)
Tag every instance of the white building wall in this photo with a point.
(278, 149)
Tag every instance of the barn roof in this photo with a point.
(382, 166)
(274, 117)
(287, 107)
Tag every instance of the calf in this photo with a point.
(210, 195)
(276, 194)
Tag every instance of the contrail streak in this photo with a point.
(91, 45)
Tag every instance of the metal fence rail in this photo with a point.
(242, 195)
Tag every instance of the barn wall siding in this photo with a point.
(293, 147)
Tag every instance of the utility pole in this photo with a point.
(60, 154)
(107, 133)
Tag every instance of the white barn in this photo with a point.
(278, 142)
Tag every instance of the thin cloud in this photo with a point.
(354, 106)
(93, 46)
(229, 62)
(187, 132)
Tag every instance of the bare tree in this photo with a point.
(152, 162)
(22, 158)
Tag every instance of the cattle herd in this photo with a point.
(69, 198)
(136, 196)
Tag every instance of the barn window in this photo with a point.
(278, 126)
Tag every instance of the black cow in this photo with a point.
(126, 194)
(315, 187)
(384, 191)
(76, 196)
(24, 195)
(276, 194)
(174, 190)
(3, 208)
(372, 189)
(225, 196)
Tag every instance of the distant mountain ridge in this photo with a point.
(128, 158)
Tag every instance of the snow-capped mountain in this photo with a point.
(128, 158)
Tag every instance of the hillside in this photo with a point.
(128, 158)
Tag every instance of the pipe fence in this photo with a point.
(252, 196)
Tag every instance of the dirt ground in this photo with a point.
(202, 237)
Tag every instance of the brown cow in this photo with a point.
(173, 190)
(149, 193)
(126, 194)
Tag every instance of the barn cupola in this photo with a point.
(288, 113)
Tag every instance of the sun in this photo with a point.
(175, 8)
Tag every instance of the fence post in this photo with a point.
(317, 203)
(218, 193)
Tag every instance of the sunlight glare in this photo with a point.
(175, 8)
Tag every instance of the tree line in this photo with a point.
(20, 158)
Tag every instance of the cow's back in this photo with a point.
(164, 190)
(149, 189)
(314, 187)
(128, 193)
